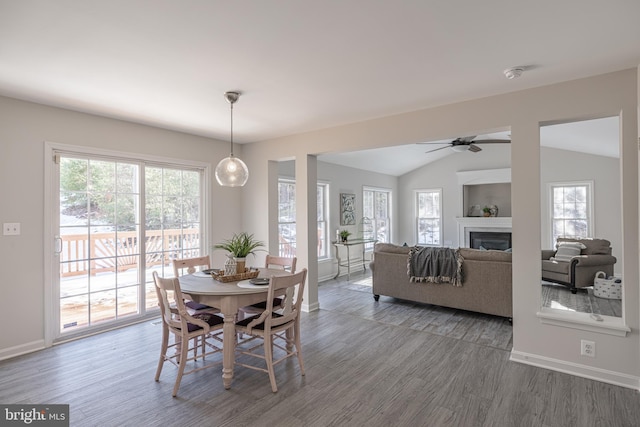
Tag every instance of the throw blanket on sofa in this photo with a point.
(435, 265)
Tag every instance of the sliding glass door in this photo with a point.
(118, 221)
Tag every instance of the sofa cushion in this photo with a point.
(486, 255)
(555, 267)
(593, 246)
(391, 248)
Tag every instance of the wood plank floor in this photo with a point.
(584, 301)
(386, 363)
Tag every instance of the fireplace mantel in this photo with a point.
(468, 224)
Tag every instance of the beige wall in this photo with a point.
(556, 347)
(24, 128)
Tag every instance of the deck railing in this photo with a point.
(111, 251)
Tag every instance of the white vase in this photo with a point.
(230, 266)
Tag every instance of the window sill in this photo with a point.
(583, 321)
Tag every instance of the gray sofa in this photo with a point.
(486, 286)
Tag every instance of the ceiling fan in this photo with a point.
(467, 143)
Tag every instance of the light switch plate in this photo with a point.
(11, 229)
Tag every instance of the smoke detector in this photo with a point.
(513, 73)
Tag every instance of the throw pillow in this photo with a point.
(566, 252)
(571, 244)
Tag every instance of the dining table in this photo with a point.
(228, 297)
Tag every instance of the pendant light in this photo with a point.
(231, 171)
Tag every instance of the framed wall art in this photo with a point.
(347, 209)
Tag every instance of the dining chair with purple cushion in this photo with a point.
(278, 328)
(203, 328)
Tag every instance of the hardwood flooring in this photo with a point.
(386, 363)
(584, 301)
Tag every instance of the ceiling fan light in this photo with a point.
(460, 148)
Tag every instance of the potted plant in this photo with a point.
(344, 234)
(240, 245)
(487, 211)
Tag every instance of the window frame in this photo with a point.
(51, 201)
(589, 208)
(325, 207)
(374, 222)
(416, 200)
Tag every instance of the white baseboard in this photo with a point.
(18, 350)
(590, 372)
(309, 308)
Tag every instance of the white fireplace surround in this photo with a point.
(483, 224)
(468, 224)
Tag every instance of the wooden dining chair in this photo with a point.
(190, 266)
(273, 262)
(202, 328)
(278, 328)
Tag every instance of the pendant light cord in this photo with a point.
(231, 129)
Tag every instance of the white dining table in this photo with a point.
(228, 297)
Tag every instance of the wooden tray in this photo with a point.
(235, 277)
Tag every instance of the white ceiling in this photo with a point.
(301, 64)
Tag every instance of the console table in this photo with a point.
(348, 245)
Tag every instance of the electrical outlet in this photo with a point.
(11, 228)
(587, 348)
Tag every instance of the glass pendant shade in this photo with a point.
(232, 172)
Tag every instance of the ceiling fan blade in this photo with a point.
(473, 148)
(466, 138)
(433, 142)
(436, 149)
(492, 141)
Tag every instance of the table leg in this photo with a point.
(364, 265)
(348, 264)
(228, 348)
(337, 258)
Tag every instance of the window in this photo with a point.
(571, 210)
(287, 218)
(119, 219)
(323, 218)
(376, 206)
(429, 217)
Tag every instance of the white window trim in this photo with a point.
(590, 205)
(390, 192)
(50, 229)
(327, 237)
(417, 217)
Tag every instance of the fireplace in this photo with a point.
(490, 240)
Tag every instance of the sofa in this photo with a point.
(579, 269)
(486, 283)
